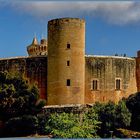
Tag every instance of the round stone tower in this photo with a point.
(66, 61)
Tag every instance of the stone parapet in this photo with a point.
(71, 108)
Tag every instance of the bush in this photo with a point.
(124, 133)
(112, 116)
(133, 104)
(22, 126)
(42, 119)
(66, 125)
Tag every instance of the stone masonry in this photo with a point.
(65, 75)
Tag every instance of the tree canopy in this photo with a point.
(19, 105)
(17, 97)
(112, 116)
(133, 104)
(65, 125)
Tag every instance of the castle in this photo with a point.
(65, 75)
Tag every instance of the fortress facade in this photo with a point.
(65, 75)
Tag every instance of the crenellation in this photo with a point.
(60, 21)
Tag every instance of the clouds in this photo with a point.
(117, 12)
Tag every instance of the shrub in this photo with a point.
(112, 116)
(22, 126)
(66, 125)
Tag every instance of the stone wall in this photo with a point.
(101, 68)
(138, 70)
(34, 69)
(106, 70)
(138, 73)
(69, 108)
(66, 42)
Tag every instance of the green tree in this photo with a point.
(112, 116)
(106, 114)
(123, 115)
(22, 126)
(133, 104)
(90, 122)
(17, 98)
(19, 104)
(42, 119)
(66, 125)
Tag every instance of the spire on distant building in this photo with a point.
(37, 49)
(34, 42)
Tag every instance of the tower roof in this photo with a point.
(34, 42)
(36, 48)
(43, 41)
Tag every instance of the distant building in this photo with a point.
(65, 75)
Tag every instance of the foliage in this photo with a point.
(42, 119)
(112, 116)
(91, 121)
(19, 105)
(123, 116)
(106, 114)
(17, 98)
(22, 126)
(133, 104)
(66, 125)
(124, 133)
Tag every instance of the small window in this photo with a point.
(68, 46)
(103, 98)
(68, 63)
(94, 85)
(68, 82)
(118, 84)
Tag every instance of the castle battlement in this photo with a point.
(105, 56)
(74, 21)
